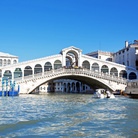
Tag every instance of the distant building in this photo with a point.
(106, 56)
(65, 85)
(127, 56)
(7, 59)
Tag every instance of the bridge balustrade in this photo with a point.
(73, 71)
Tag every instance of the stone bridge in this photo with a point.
(92, 71)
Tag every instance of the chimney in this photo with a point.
(126, 44)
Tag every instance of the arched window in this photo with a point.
(5, 62)
(15, 61)
(9, 61)
(132, 76)
(37, 69)
(47, 66)
(86, 65)
(123, 74)
(114, 71)
(95, 67)
(7, 74)
(57, 64)
(65, 87)
(78, 87)
(0, 62)
(68, 87)
(28, 71)
(0, 73)
(104, 69)
(73, 87)
(17, 73)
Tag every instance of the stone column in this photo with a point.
(80, 86)
(79, 59)
(63, 58)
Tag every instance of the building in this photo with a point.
(106, 56)
(7, 59)
(128, 56)
(65, 85)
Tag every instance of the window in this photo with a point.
(14, 62)
(4, 62)
(0, 62)
(99, 57)
(127, 63)
(9, 61)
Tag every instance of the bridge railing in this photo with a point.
(75, 71)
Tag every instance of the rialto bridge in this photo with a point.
(69, 64)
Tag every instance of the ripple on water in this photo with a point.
(68, 115)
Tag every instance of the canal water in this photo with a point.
(68, 115)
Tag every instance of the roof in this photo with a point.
(7, 55)
(99, 52)
(71, 48)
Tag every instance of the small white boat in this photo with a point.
(102, 93)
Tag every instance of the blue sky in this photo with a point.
(33, 29)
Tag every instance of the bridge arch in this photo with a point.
(105, 69)
(18, 73)
(132, 76)
(47, 66)
(37, 69)
(7, 74)
(95, 66)
(28, 71)
(86, 64)
(123, 74)
(91, 81)
(114, 71)
(57, 64)
(74, 58)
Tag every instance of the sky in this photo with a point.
(32, 29)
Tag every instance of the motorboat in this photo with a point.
(102, 93)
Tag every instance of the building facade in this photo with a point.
(65, 85)
(127, 56)
(7, 59)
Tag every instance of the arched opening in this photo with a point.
(104, 69)
(47, 66)
(7, 74)
(57, 64)
(78, 87)
(68, 87)
(0, 73)
(69, 61)
(72, 58)
(17, 73)
(64, 87)
(132, 76)
(37, 69)
(15, 61)
(114, 71)
(28, 71)
(86, 65)
(73, 87)
(123, 74)
(95, 67)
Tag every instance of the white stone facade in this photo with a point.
(41, 67)
(7, 59)
(127, 56)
